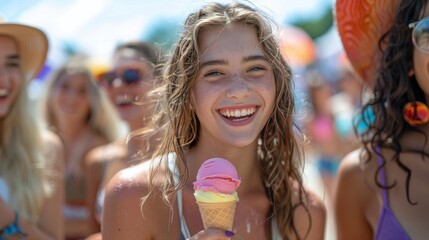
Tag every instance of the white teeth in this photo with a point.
(238, 113)
(122, 100)
(3, 92)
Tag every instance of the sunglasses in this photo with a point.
(421, 34)
(128, 76)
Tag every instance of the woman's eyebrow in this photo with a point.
(13, 57)
(225, 62)
(254, 58)
(214, 62)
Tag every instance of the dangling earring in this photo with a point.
(416, 113)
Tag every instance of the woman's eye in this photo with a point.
(257, 68)
(212, 74)
(13, 64)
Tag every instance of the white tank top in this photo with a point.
(4, 191)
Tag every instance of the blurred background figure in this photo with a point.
(134, 74)
(332, 105)
(80, 113)
(325, 145)
(31, 167)
(347, 101)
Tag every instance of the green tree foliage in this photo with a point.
(316, 27)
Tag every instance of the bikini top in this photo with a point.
(388, 226)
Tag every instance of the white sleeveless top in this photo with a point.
(184, 230)
(4, 191)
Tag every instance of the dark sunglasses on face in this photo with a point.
(129, 77)
(421, 34)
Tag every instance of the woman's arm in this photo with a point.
(349, 200)
(94, 165)
(51, 224)
(51, 218)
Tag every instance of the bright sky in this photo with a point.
(96, 26)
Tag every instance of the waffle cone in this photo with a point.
(218, 215)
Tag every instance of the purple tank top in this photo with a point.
(388, 226)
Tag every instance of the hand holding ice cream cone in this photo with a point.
(215, 192)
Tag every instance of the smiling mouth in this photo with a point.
(4, 93)
(123, 101)
(237, 115)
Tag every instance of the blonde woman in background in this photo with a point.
(31, 166)
(82, 116)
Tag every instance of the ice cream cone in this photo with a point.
(218, 215)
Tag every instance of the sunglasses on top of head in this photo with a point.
(129, 76)
(420, 34)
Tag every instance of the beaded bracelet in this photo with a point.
(12, 229)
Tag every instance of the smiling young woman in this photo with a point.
(226, 93)
(31, 168)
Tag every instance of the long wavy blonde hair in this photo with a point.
(103, 117)
(278, 151)
(24, 161)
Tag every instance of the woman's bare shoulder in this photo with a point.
(125, 216)
(51, 139)
(356, 168)
(106, 152)
(130, 180)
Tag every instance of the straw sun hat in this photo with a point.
(360, 24)
(32, 46)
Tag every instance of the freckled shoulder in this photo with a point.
(124, 216)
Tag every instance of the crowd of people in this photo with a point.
(70, 170)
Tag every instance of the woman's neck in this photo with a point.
(71, 132)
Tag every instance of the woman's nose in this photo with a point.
(239, 88)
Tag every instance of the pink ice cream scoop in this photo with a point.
(217, 175)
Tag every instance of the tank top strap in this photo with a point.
(183, 226)
(184, 230)
(275, 234)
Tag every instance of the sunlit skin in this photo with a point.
(234, 76)
(49, 225)
(233, 96)
(123, 95)
(10, 77)
(70, 99)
